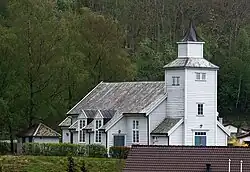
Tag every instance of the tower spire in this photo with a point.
(191, 34)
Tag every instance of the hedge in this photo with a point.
(119, 152)
(5, 148)
(63, 149)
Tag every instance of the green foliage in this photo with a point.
(71, 165)
(119, 152)
(96, 150)
(56, 164)
(83, 168)
(64, 149)
(4, 148)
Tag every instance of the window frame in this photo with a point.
(200, 76)
(200, 109)
(201, 135)
(81, 131)
(98, 134)
(175, 81)
(135, 131)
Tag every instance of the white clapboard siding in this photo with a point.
(175, 99)
(45, 140)
(142, 130)
(120, 125)
(201, 92)
(65, 135)
(177, 137)
(221, 137)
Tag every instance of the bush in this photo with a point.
(64, 149)
(4, 147)
(119, 152)
(96, 151)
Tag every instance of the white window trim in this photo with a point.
(200, 74)
(202, 131)
(197, 108)
(135, 129)
(175, 81)
(96, 130)
(81, 129)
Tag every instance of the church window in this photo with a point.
(200, 108)
(135, 131)
(176, 80)
(200, 76)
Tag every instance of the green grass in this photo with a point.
(57, 164)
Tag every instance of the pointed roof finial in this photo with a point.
(191, 34)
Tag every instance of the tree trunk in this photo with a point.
(239, 90)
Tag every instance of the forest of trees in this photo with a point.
(54, 51)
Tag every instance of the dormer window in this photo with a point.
(176, 80)
(200, 76)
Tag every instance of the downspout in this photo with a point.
(168, 139)
(106, 139)
(148, 128)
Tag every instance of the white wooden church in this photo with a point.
(182, 110)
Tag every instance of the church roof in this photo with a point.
(120, 97)
(191, 34)
(166, 125)
(191, 63)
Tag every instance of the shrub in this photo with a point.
(71, 165)
(64, 149)
(119, 152)
(4, 147)
(96, 150)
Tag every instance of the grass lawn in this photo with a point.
(57, 164)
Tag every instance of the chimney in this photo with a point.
(221, 120)
(208, 168)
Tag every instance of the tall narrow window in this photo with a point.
(82, 124)
(200, 109)
(176, 80)
(200, 138)
(98, 134)
(135, 131)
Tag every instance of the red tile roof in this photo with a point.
(186, 159)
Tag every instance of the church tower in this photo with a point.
(191, 85)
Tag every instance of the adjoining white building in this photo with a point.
(182, 110)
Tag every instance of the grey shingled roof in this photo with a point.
(90, 113)
(108, 113)
(191, 63)
(130, 97)
(66, 122)
(39, 130)
(166, 125)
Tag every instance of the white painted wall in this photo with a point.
(201, 92)
(175, 100)
(177, 137)
(157, 116)
(221, 137)
(159, 140)
(75, 137)
(45, 140)
(65, 135)
(191, 50)
(142, 130)
(121, 125)
(245, 139)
